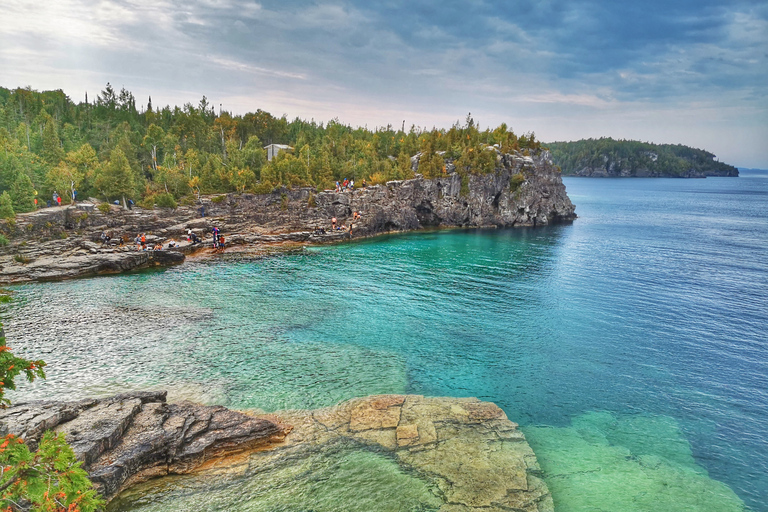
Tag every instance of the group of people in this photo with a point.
(141, 243)
(348, 184)
(218, 239)
(335, 226)
(345, 185)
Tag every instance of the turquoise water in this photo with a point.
(635, 337)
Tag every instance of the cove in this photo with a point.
(630, 345)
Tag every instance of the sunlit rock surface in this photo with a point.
(446, 454)
(380, 453)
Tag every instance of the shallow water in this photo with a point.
(648, 313)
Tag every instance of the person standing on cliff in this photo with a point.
(215, 231)
(333, 224)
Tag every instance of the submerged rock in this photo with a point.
(467, 451)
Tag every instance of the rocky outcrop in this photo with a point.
(64, 242)
(128, 438)
(473, 457)
(609, 158)
(477, 458)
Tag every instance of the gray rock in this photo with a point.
(62, 243)
(128, 438)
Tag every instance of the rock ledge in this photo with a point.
(476, 459)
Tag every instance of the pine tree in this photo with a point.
(6, 206)
(52, 150)
(23, 194)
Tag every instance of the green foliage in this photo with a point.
(515, 181)
(20, 258)
(464, 192)
(3, 242)
(283, 201)
(6, 206)
(22, 194)
(218, 199)
(635, 157)
(50, 479)
(12, 366)
(166, 201)
(104, 208)
(116, 179)
(109, 149)
(311, 202)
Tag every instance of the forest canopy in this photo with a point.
(108, 149)
(631, 157)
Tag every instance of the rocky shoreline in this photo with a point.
(476, 459)
(64, 242)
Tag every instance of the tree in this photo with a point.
(65, 177)
(152, 140)
(86, 164)
(49, 479)
(52, 150)
(116, 179)
(6, 206)
(23, 194)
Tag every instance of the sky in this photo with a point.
(692, 72)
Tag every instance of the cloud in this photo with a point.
(511, 60)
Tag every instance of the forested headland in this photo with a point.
(108, 149)
(606, 157)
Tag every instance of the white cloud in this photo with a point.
(234, 65)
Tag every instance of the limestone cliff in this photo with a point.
(64, 242)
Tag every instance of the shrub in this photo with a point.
(104, 208)
(283, 201)
(166, 200)
(218, 199)
(311, 202)
(3, 240)
(264, 187)
(464, 184)
(20, 258)
(515, 181)
(378, 178)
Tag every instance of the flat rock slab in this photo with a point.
(477, 458)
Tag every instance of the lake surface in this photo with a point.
(631, 346)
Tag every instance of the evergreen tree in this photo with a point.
(52, 151)
(6, 206)
(23, 194)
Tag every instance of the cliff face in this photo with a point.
(521, 191)
(64, 242)
(625, 169)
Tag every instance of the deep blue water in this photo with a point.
(651, 306)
